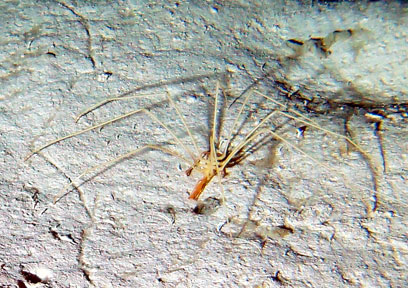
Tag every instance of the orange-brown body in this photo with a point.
(199, 188)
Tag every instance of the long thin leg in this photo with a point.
(213, 157)
(256, 131)
(248, 138)
(237, 118)
(106, 101)
(215, 114)
(213, 151)
(152, 116)
(96, 106)
(131, 153)
(171, 132)
(309, 122)
(81, 132)
(184, 123)
(106, 123)
(275, 135)
(108, 164)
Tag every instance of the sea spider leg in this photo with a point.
(35, 151)
(129, 154)
(309, 122)
(185, 126)
(106, 101)
(117, 119)
(172, 133)
(230, 136)
(107, 164)
(213, 150)
(94, 126)
(156, 147)
(213, 163)
(218, 161)
(133, 152)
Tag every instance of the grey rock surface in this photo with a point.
(286, 221)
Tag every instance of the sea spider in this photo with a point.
(221, 154)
